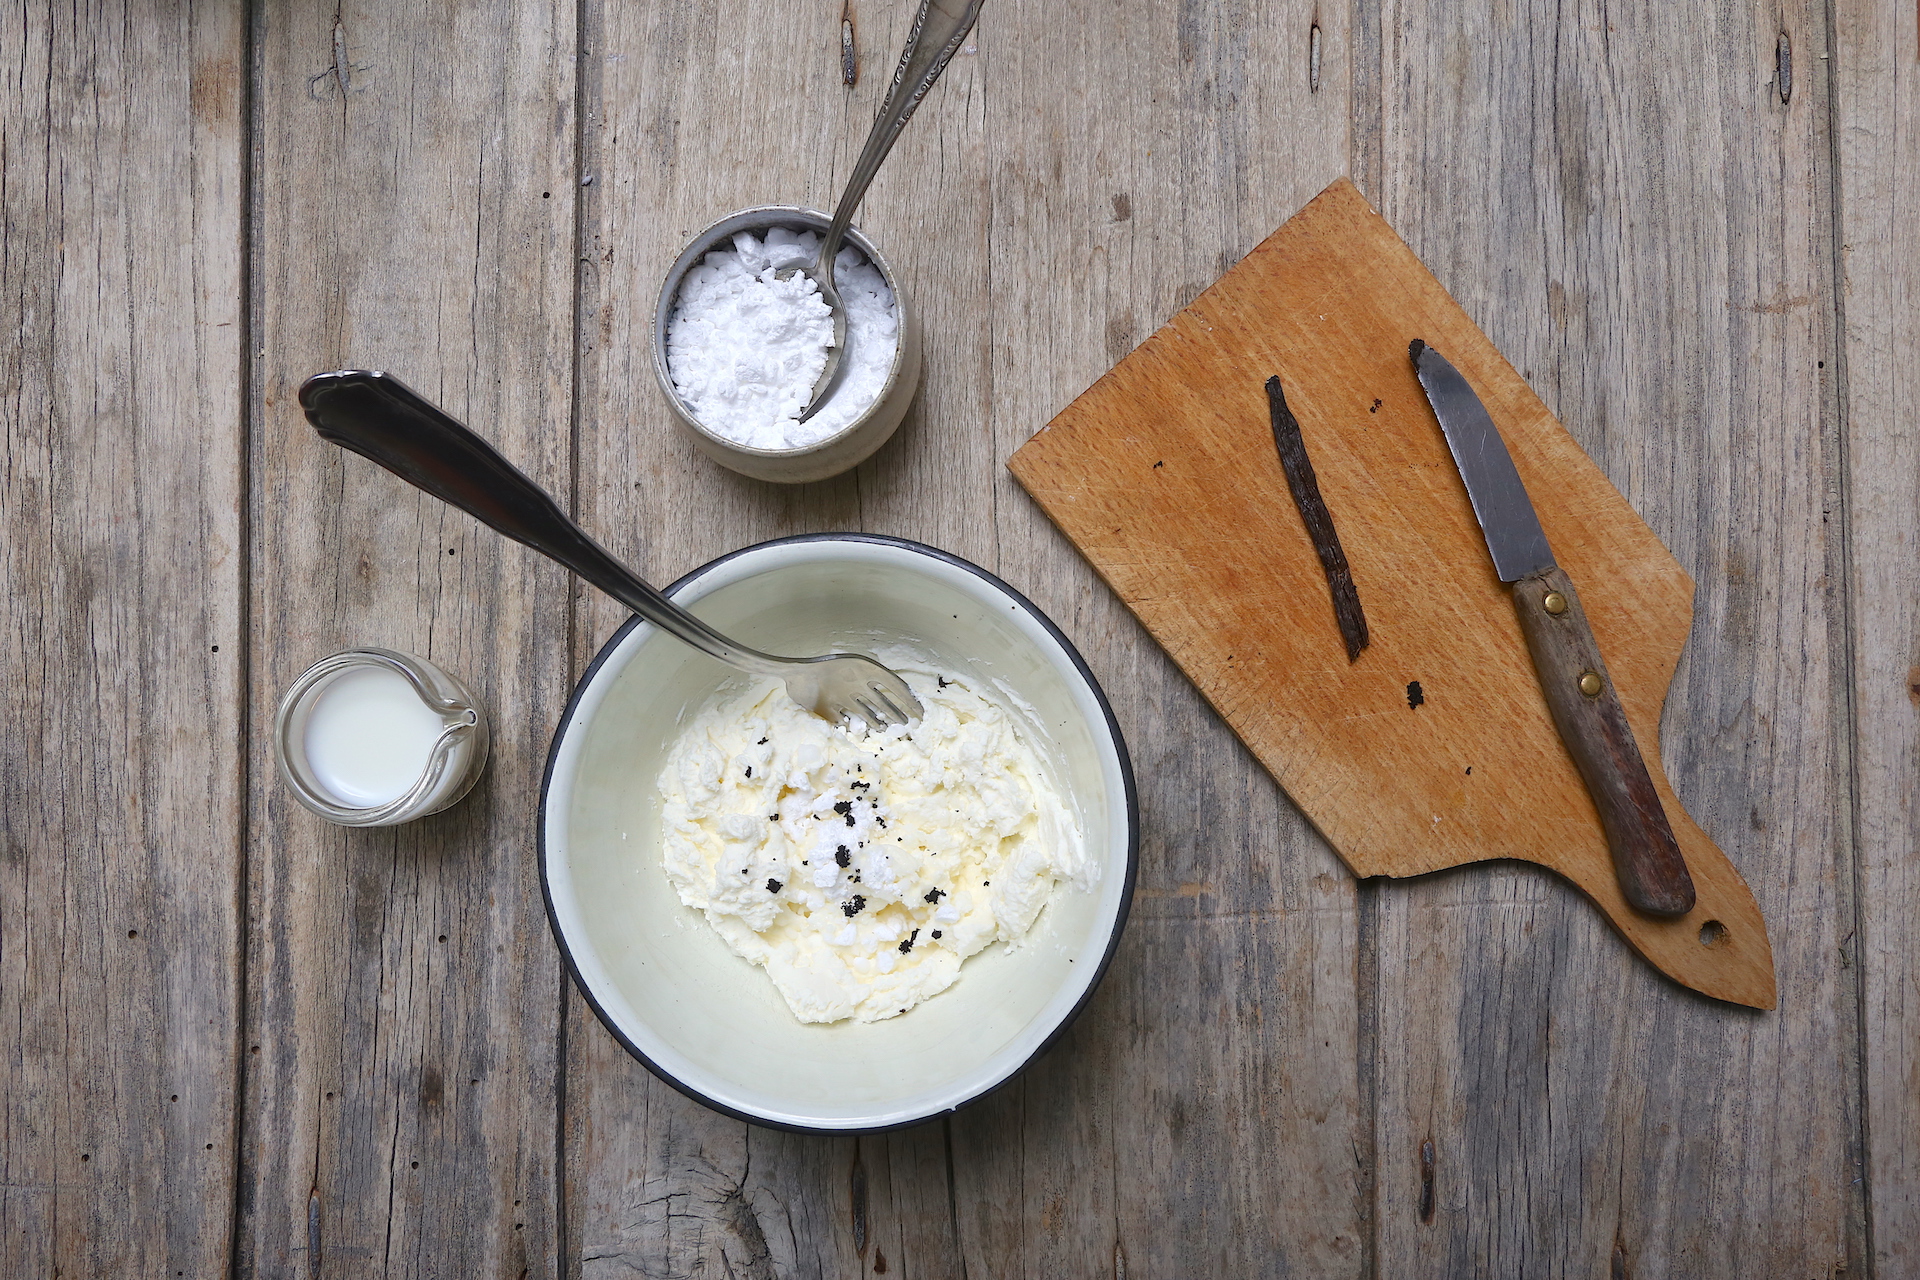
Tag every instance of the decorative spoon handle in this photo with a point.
(379, 417)
(938, 30)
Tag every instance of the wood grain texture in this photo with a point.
(1876, 56)
(124, 657)
(1161, 474)
(692, 112)
(414, 213)
(1620, 199)
(1285, 1072)
(1075, 1164)
(1205, 1112)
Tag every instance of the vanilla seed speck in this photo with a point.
(976, 799)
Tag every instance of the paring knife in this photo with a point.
(1646, 858)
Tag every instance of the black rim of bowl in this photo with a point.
(1126, 777)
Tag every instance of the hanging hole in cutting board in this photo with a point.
(1713, 934)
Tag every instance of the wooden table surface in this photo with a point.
(233, 1038)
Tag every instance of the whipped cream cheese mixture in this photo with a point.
(745, 347)
(860, 869)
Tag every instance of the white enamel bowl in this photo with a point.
(661, 980)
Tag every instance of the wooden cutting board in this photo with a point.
(1164, 474)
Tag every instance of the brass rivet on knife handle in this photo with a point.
(1554, 603)
(1646, 858)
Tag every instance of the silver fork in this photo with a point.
(377, 416)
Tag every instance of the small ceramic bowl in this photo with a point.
(852, 444)
(660, 978)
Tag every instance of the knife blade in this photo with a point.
(1580, 696)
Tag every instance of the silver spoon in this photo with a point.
(938, 28)
(378, 417)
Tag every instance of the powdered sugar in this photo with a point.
(745, 348)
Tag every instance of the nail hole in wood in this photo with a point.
(849, 63)
(858, 1190)
(1713, 934)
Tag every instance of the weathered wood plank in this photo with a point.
(415, 194)
(1081, 1158)
(1623, 202)
(1205, 1113)
(121, 149)
(1876, 60)
(695, 110)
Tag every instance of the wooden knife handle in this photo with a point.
(1646, 858)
